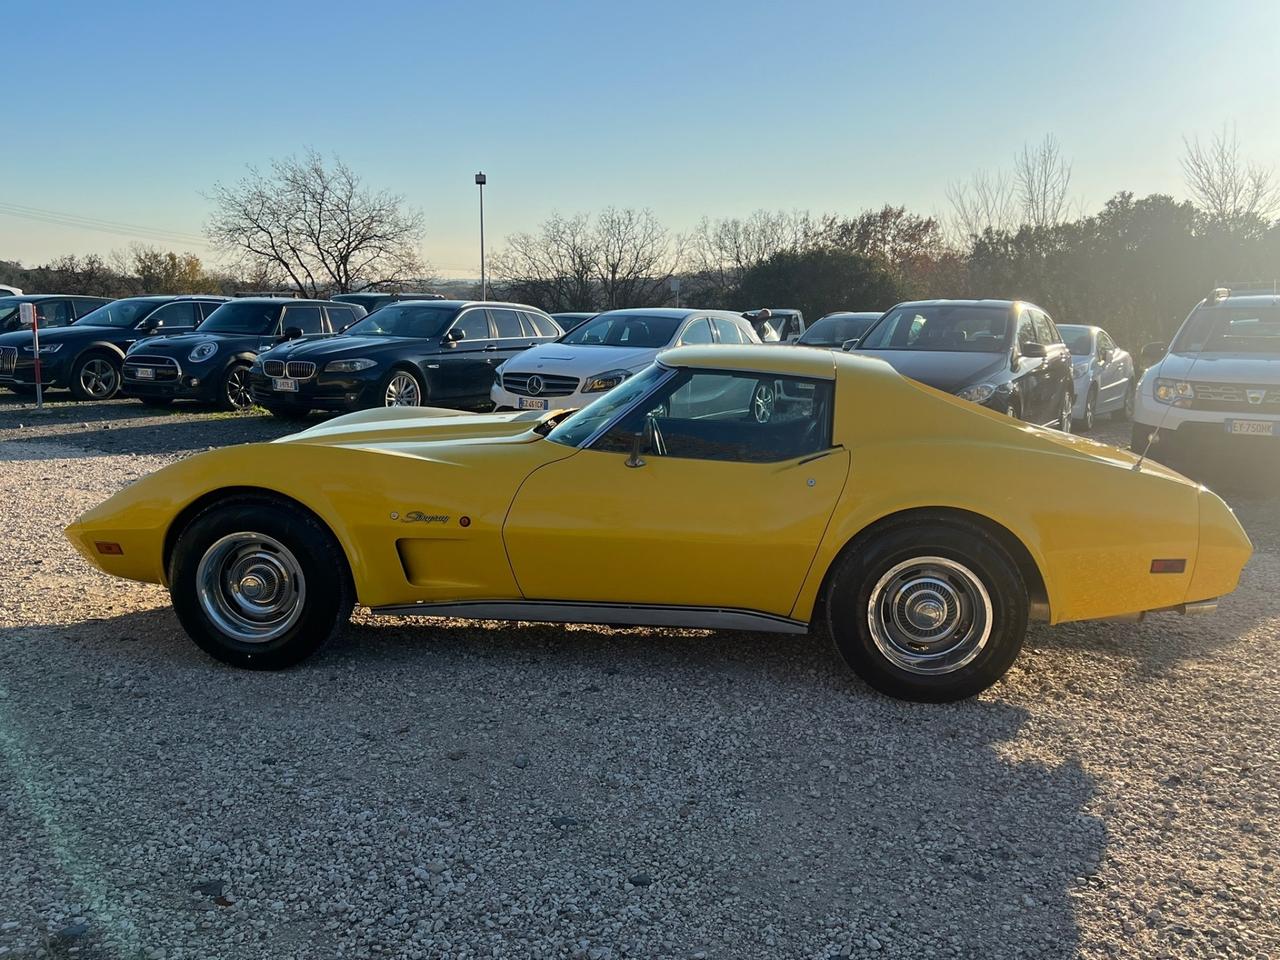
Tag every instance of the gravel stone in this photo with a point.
(1116, 796)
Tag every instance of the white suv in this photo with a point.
(604, 351)
(1217, 383)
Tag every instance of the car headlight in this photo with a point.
(498, 368)
(51, 348)
(1080, 368)
(349, 366)
(605, 381)
(978, 393)
(1179, 393)
(202, 351)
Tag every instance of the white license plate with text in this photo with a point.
(529, 403)
(1252, 428)
(284, 385)
(146, 373)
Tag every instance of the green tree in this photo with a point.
(819, 281)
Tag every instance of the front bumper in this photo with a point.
(322, 391)
(168, 378)
(504, 399)
(20, 371)
(1205, 431)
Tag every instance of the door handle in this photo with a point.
(492, 346)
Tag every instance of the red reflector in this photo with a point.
(1168, 566)
(107, 547)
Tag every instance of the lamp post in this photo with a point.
(481, 180)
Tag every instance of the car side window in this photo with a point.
(474, 325)
(85, 306)
(1027, 329)
(727, 330)
(1045, 330)
(729, 416)
(180, 315)
(306, 318)
(208, 306)
(53, 313)
(697, 332)
(1105, 343)
(340, 317)
(540, 326)
(506, 324)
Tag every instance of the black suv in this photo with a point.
(211, 363)
(87, 356)
(52, 310)
(1003, 354)
(372, 301)
(410, 353)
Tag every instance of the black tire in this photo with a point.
(95, 376)
(287, 411)
(852, 599)
(326, 597)
(1126, 412)
(233, 389)
(1086, 423)
(1065, 404)
(160, 403)
(399, 374)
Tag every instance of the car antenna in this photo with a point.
(1216, 296)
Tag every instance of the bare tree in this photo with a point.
(635, 258)
(1224, 186)
(1043, 177)
(721, 251)
(986, 201)
(318, 226)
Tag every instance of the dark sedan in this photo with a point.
(1006, 355)
(838, 330)
(211, 363)
(87, 356)
(51, 309)
(411, 353)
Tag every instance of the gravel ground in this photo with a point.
(442, 789)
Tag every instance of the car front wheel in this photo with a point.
(1064, 411)
(928, 612)
(234, 393)
(1086, 422)
(259, 583)
(95, 376)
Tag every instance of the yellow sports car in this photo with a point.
(743, 488)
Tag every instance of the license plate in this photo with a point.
(284, 385)
(1252, 428)
(529, 403)
(146, 373)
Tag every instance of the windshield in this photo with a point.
(404, 320)
(121, 313)
(8, 316)
(1079, 339)
(240, 316)
(625, 330)
(834, 331)
(946, 327)
(575, 430)
(1230, 329)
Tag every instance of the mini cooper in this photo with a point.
(661, 502)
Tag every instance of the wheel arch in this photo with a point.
(182, 519)
(1037, 593)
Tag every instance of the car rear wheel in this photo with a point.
(95, 376)
(234, 393)
(1064, 411)
(1086, 422)
(402, 389)
(258, 583)
(928, 612)
(1130, 397)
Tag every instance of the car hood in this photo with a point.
(580, 361)
(1220, 368)
(943, 370)
(394, 427)
(343, 346)
(22, 338)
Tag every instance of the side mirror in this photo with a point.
(454, 335)
(1108, 355)
(850, 344)
(643, 438)
(1153, 353)
(1033, 350)
(292, 333)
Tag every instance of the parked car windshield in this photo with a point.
(960, 327)
(1230, 330)
(625, 330)
(575, 430)
(8, 312)
(119, 313)
(1079, 339)
(834, 331)
(239, 316)
(404, 320)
